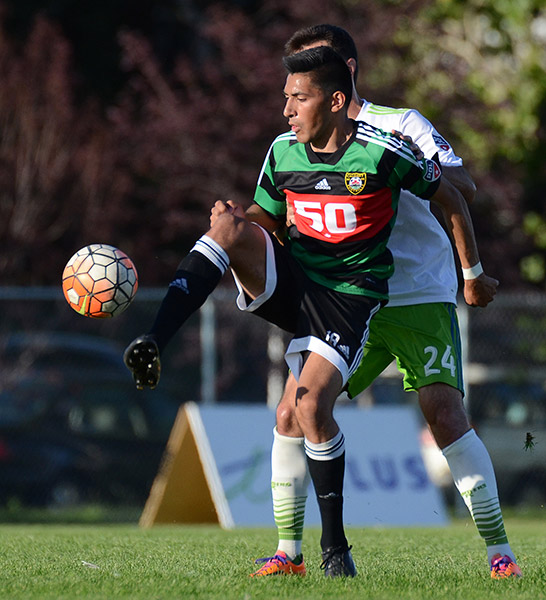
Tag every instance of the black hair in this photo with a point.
(336, 37)
(327, 68)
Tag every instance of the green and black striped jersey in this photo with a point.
(344, 204)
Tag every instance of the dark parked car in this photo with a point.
(72, 426)
(510, 418)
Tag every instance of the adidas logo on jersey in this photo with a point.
(323, 185)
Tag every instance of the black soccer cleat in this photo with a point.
(338, 562)
(142, 358)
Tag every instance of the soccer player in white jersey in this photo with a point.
(418, 328)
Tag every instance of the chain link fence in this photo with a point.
(74, 430)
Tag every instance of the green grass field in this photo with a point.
(123, 561)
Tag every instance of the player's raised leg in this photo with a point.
(232, 239)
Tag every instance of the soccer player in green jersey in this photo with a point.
(324, 285)
(418, 328)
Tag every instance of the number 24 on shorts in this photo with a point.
(447, 362)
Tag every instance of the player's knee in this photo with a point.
(311, 414)
(287, 422)
(444, 411)
(452, 421)
(285, 416)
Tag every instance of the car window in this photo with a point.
(514, 405)
(104, 410)
(101, 420)
(117, 410)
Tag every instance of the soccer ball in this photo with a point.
(99, 281)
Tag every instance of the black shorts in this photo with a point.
(332, 324)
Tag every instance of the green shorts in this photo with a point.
(423, 338)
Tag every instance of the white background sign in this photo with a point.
(385, 478)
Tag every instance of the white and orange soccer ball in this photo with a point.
(100, 281)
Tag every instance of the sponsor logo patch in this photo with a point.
(432, 170)
(440, 142)
(355, 182)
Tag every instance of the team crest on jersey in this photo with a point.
(440, 142)
(433, 171)
(355, 182)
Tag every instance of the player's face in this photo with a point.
(307, 109)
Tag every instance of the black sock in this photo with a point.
(327, 476)
(195, 279)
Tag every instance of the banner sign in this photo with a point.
(386, 483)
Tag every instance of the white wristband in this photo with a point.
(473, 272)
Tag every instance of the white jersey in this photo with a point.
(424, 267)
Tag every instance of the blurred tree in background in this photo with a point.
(480, 68)
(122, 122)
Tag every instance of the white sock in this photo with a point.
(213, 251)
(474, 476)
(289, 483)
(329, 450)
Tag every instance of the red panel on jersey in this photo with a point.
(341, 218)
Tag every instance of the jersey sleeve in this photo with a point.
(424, 134)
(267, 195)
(421, 178)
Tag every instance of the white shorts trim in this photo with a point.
(270, 278)
(294, 358)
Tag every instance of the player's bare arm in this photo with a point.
(257, 214)
(481, 290)
(460, 178)
(254, 214)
